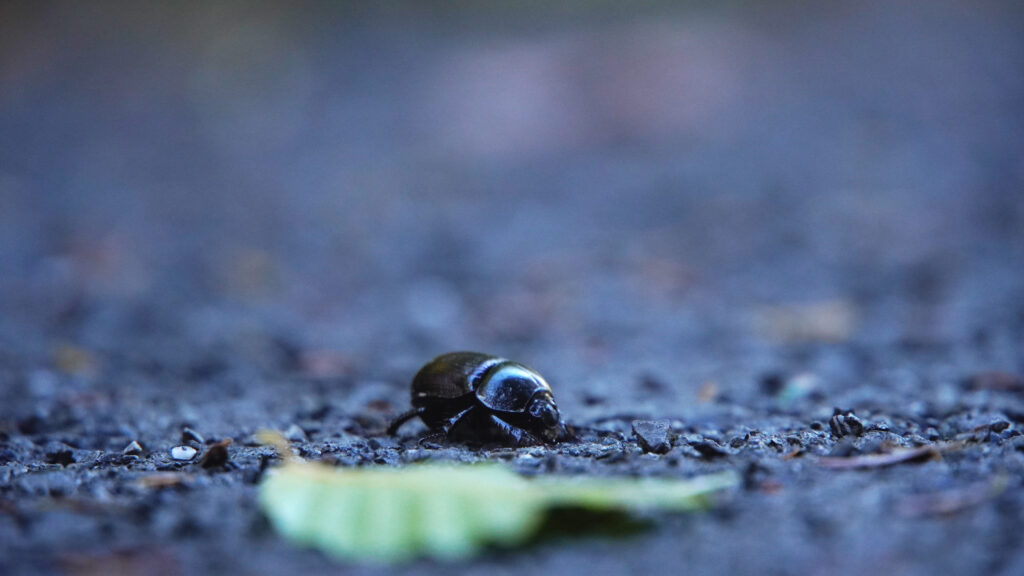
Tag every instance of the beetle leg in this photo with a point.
(447, 427)
(402, 419)
(517, 436)
(567, 433)
(454, 420)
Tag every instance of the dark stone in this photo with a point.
(59, 454)
(709, 448)
(845, 423)
(652, 435)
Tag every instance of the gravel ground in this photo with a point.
(783, 240)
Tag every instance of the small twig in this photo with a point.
(164, 480)
(922, 453)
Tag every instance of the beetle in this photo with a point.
(480, 398)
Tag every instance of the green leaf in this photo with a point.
(447, 512)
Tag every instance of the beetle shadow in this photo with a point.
(571, 523)
(563, 525)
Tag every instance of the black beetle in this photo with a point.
(481, 398)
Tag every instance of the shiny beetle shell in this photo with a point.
(482, 398)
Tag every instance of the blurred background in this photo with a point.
(664, 192)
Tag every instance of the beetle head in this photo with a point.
(543, 410)
(544, 413)
(522, 398)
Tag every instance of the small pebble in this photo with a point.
(189, 436)
(652, 435)
(295, 433)
(183, 453)
(132, 449)
(998, 426)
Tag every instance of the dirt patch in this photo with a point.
(776, 240)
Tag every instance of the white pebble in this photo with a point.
(183, 453)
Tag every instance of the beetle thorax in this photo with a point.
(510, 387)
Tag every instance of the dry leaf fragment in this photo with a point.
(447, 512)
